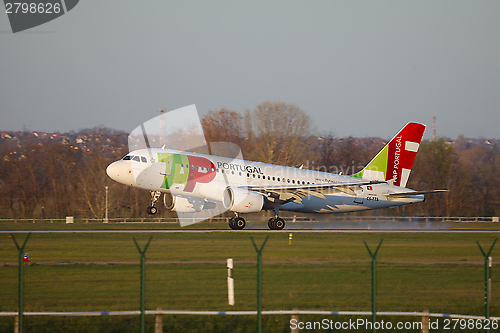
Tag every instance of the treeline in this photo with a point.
(53, 176)
(56, 175)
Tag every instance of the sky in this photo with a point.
(358, 68)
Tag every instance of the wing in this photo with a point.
(287, 193)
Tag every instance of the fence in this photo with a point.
(425, 315)
(294, 313)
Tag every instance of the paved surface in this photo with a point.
(194, 231)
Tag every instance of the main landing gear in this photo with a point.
(237, 222)
(276, 223)
(155, 195)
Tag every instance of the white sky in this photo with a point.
(361, 68)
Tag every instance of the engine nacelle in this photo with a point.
(234, 199)
(185, 205)
(242, 201)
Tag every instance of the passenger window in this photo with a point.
(293, 181)
(288, 180)
(248, 175)
(278, 178)
(240, 174)
(254, 175)
(273, 179)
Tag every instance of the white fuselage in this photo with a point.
(194, 175)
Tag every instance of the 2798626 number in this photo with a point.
(452, 324)
(32, 8)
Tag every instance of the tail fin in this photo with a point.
(395, 161)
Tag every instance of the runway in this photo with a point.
(197, 231)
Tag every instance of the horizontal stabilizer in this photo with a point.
(409, 194)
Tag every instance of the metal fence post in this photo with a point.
(259, 283)
(487, 280)
(21, 282)
(374, 282)
(143, 280)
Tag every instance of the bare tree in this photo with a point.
(280, 133)
(437, 167)
(223, 126)
(480, 162)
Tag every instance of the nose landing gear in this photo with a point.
(155, 195)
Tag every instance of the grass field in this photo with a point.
(441, 272)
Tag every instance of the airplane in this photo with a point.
(192, 182)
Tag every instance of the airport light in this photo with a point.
(21, 282)
(374, 282)
(106, 211)
(259, 283)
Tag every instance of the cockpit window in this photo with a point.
(126, 158)
(136, 158)
(144, 160)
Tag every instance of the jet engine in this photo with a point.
(244, 201)
(234, 199)
(180, 204)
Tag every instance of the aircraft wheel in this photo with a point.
(239, 223)
(152, 210)
(232, 223)
(279, 223)
(272, 223)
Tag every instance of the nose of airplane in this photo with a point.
(121, 171)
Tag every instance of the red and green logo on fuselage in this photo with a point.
(186, 170)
